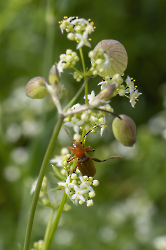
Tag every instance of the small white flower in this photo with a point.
(95, 183)
(160, 243)
(103, 84)
(64, 151)
(89, 203)
(133, 97)
(83, 39)
(92, 194)
(67, 185)
(102, 126)
(78, 195)
(130, 84)
(75, 123)
(59, 66)
(77, 137)
(91, 96)
(85, 185)
(58, 160)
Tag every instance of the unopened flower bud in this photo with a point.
(54, 75)
(36, 88)
(108, 91)
(124, 130)
(46, 202)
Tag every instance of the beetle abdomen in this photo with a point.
(86, 166)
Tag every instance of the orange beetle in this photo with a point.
(84, 161)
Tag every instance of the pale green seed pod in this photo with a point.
(124, 130)
(54, 75)
(107, 92)
(117, 57)
(36, 88)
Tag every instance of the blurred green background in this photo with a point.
(129, 211)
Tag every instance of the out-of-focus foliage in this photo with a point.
(129, 209)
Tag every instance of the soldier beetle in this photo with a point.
(84, 161)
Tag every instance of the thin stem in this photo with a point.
(48, 228)
(77, 95)
(56, 221)
(39, 182)
(83, 66)
(50, 35)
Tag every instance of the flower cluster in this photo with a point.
(79, 188)
(38, 245)
(88, 119)
(126, 88)
(78, 29)
(67, 60)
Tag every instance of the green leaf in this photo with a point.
(58, 173)
(57, 177)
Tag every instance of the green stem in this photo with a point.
(39, 182)
(56, 221)
(77, 95)
(83, 66)
(48, 228)
(50, 35)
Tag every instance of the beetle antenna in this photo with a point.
(69, 135)
(90, 131)
(106, 111)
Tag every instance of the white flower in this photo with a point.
(160, 243)
(130, 84)
(95, 183)
(85, 185)
(59, 66)
(89, 203)
(67, 185)
(132, 90)
(92, 194)
(83, 39)
(133, 97)
(102, 126)
(58, 160)
(103, 84)
(75, 123)
(91, 97)
(78, 194)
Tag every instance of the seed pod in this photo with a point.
(124, 130)
(36, 88)
(107, 92)
(117, 57)
(54, 75)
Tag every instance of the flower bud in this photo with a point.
(124, 130)
(108, 91)
(36, 88)
(54, 75)
(117, 56)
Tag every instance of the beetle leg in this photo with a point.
(70, 148)
(88, 149)
(113, 157)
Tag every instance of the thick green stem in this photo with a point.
(39, 182)
(56, 221)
